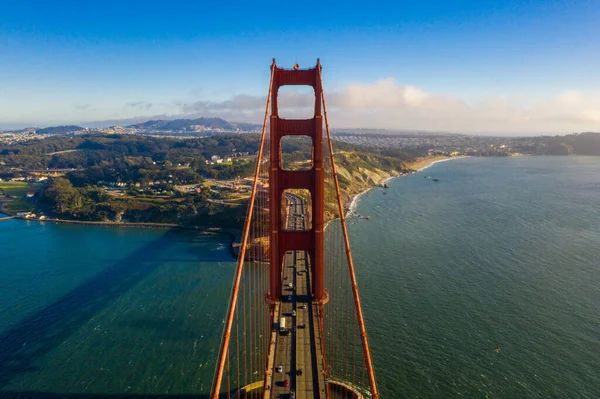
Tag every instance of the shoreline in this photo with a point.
(416, 166)
(234, 234)
(424, 163)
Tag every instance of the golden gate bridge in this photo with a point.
(294, 326)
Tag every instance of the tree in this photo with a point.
(62, 196)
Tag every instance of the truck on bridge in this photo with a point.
(282, 328)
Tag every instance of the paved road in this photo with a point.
(299, 349)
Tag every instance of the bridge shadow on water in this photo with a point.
(27, 341)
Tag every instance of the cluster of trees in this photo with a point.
(228, 171)
(59, 129)
(91, 150)
(134, 170)
(61, 199)
(191, 209)
(132, 158)
(142, 170)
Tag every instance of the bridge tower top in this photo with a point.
(312, 180)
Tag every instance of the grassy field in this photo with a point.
(18, 189)
(18, 205)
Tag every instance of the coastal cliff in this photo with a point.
(357, 172)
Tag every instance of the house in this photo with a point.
(30, 194)
(214, 158)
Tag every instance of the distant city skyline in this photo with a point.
(484, 67)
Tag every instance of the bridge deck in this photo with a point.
(299, 350)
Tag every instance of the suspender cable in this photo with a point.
(237, 345)
(240, 267)
(363, 331)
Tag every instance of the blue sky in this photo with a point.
(475, 66)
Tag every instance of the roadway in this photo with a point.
(300, 349)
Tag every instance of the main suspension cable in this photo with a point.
(240, 267)
(363, 331)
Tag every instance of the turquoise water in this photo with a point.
(92, 310)
(501, 251)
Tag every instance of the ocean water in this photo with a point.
(501, 251)
(109, 311)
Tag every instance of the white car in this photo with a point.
(293, 313)
(280, 369)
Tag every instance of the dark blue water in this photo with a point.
(501, 252)
(498, 252)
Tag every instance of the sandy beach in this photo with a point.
(426, 162)
(418, 165)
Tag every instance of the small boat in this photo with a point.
(435, 180)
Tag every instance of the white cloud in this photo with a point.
(388, 104)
